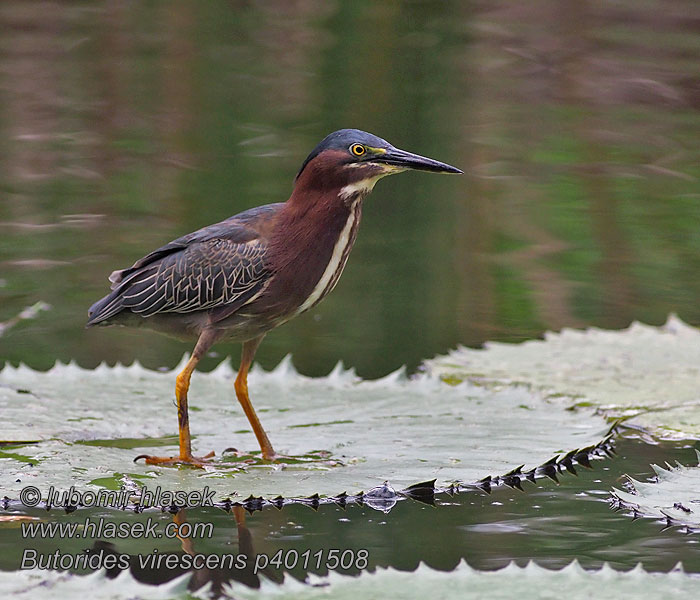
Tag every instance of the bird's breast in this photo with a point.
(307, 252)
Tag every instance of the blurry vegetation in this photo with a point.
(126, 124)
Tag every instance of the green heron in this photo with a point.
(244, 276)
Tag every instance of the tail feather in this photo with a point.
(105, 308)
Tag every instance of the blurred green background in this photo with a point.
(124, 125)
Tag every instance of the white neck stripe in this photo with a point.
(337, 261)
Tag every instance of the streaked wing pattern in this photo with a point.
(207, 274)
(221, 266)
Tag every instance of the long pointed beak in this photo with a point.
(408, 160)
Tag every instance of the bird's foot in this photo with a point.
(250, 457)
(194, 461)
(263, 457)
(272, 456)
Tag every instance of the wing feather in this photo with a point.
(218, 267)
(202, 276)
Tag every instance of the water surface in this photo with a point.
(125, 125)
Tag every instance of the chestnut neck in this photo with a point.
(311, 222)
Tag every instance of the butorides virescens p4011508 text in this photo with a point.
(240, 278)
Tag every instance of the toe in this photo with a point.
(194, 461)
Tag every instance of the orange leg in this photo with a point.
(180, 518)
(241, 386)
(182, 386)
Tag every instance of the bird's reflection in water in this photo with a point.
(240, 568)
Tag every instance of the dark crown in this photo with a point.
(342, 140)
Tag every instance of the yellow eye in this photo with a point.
(357, 149)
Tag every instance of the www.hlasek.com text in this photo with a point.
(102, 528)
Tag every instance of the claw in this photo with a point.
(194, 461)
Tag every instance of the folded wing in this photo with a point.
(222, 265)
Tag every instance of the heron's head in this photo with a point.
(353, 161)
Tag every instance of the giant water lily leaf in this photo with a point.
(532, 581)
(37, 583)
(89, 424)
(674, 496)
(529, 582)
(648, 374)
